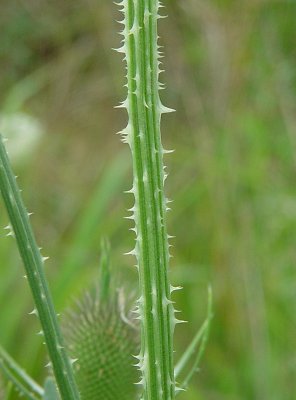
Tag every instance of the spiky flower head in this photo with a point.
(102, 339)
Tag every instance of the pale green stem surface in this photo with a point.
(142, 133)
(34, 266)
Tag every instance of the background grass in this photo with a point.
(231, 76)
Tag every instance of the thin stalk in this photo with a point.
(191, 349)
(105, 273)
(149, 212)
(8, 390)
(7, 363)
(34, 266)
(22, 389)
(200, 340)
(200, 353)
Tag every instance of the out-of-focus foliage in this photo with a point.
(230, 73)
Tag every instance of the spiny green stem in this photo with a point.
(152, 250)
(33, 262)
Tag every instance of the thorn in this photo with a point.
(10, 234)
(132, 217)
(120, 49)
(165, 110)
(175, 288)
(179, 321)
(167, 151)
(131, 253)
(34, 312)
(132, 190)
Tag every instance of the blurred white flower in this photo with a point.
(23, 133)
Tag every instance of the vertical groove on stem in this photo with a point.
(152, 250)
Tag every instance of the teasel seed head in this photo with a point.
(102, 338)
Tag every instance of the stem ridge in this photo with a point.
(142, 134)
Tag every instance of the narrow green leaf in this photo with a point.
(8, 390)
(22, 389)
(191, 349)
(200, 340)
(104, 271)
(7, 363)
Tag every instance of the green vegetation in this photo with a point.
(99, 334)
(142, 134)
(231, 76)
(20, 229)
(103, 336)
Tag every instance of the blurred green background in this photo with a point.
(231, 74)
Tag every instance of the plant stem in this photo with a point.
(200, 340)
(18, 374)
(152, 250)
(23, 391)
(34, 262)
